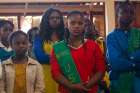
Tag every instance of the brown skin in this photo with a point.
(54, 20)
(76, 28)
(4, 33)
(20, 45)
(125, 15)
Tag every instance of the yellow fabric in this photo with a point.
(101, 45)
(51, 85)
(106, 79)
(47, 46)
(20, 78)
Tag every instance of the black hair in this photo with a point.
(4, 22)
(30, 31)
(126, 6)
(66, 35)
(14, 35)
(45, 29)
(92, 32)
(74, 13)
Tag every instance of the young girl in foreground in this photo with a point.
(21, 74)
(77, 63)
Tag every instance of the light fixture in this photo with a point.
(95, 3)
(101, 3)
(87, 4)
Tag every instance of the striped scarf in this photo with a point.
(134, 40)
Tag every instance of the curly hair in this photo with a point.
(46, 31)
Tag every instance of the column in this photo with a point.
(109, 15)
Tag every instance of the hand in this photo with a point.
(78, 87)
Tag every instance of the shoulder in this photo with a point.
(136, 28)
(33, 61)
(91, 44)
(1, 45)
(38, 38)
(112, 34)
(115, 31)
(59, 43)
(7, 61)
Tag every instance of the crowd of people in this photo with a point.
(54, 59)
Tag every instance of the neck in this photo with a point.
(20, 59)
(75, 41)
(75, 38)
(124, 27)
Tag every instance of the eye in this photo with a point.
(54, 17)
(80, 23)
(73, 23)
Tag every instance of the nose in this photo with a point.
(21, 45)
(76, 26)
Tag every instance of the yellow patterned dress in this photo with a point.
(20, 78)
(51, 85)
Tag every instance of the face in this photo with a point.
(76, 24)
(125, 17)
(54, 20)
(5, 31)
(20, 45)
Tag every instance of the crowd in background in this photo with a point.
(54, 59)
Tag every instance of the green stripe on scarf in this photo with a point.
(134, 40)
(66, 62)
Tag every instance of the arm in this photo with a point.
(100, 68)
(40, 54)
(115, 56)
(61, 79)
(39, 85)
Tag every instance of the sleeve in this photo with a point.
(5, 54)
(2, 81)
(40, 54)
(39, 85)
(115, 57)
(99, 59)
(55, 68)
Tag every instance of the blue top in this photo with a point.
(4, 55)
(40, 54)
(117, 53)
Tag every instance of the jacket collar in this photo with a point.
(9, 62)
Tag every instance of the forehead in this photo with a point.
(76, 17)
(126, 10)
(55, 13)
(20, 38)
